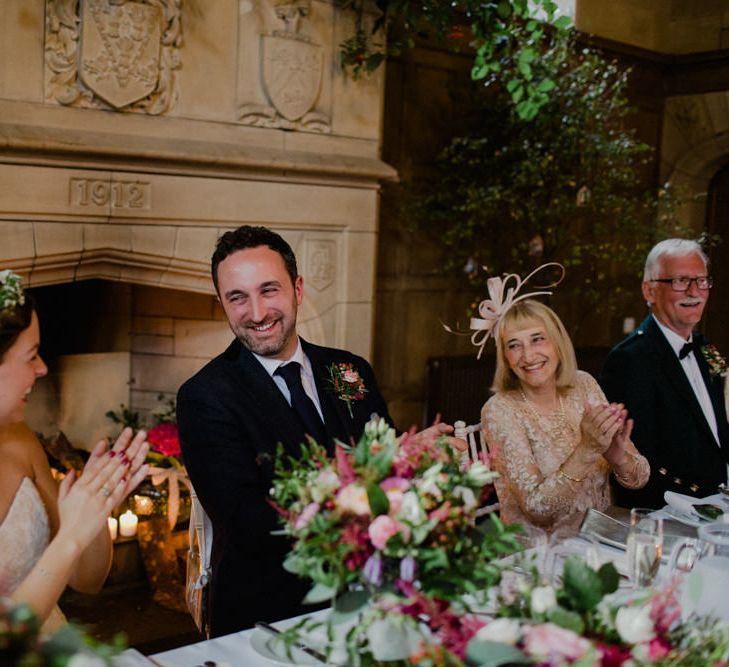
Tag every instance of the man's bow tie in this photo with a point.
(686, 349)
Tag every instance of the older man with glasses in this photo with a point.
(662, 376)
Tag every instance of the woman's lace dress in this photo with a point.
(528, 450)
(24, 535)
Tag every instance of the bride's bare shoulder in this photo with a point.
(19, 445)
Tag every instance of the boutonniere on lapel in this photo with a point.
(717, 363)
(346, 383)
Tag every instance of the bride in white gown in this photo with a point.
(51, 535)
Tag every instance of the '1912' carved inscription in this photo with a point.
(120, 194)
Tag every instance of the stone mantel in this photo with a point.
(91, 139)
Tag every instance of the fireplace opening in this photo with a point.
(109, 344)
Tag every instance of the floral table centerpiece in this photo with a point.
(387, 531)
(587, 621)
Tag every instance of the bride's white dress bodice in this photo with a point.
(24, 535)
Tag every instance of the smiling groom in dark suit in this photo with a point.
(269, 387)
(660, 374)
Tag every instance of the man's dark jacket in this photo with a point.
(644, 373)
(231, 416)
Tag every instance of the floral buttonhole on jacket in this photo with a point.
(346, 383)
(717, 363)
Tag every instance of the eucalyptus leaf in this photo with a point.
(565, 618)
(482, 653)
(319, 593)
(294, 564)
(348, 605)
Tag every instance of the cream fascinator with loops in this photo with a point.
(503, 294)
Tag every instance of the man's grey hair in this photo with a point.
(671, 248)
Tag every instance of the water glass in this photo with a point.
(645, 546)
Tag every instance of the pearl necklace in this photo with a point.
(563, 430)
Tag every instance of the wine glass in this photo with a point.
(644, 547)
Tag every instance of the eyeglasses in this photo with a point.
(682, 283)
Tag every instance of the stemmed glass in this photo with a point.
(645, 546)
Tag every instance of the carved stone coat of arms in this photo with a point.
(113, 53)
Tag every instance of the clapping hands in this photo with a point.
(85, 502)
(606, 425)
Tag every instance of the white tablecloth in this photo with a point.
(233, 650)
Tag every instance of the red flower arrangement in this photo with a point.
(164, 439)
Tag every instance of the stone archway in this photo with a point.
(695, 158)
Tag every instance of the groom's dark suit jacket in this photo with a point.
(644, 373)
(231, 416)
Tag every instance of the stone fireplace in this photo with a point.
(132, 134)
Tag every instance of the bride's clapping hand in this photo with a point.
(85, 502)
(600, 424)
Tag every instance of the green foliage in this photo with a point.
(583, 587)
(22, 645)
(499, 31)
(125, 417)
(494, 654)
(569, 185)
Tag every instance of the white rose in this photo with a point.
(543, 599)
(503, 630)
(634, 624)
(325, 484)
(410, 509)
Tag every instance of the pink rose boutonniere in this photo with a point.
(346, 383)
(717, 363)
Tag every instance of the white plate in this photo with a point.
(273, 649)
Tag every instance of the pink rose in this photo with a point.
(383, 528)
(350, 377)
(657, 649)
(303, 520)
(548, 641)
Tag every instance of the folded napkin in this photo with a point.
(682, 503)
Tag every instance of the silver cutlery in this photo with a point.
(317, 655)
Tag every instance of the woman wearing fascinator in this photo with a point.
(553, 436)
(51, 535)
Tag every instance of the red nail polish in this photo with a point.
(111, 453)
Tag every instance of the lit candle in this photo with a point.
(128, 524)
(113, 527)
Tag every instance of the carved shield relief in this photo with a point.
(321, 264)
(120, 49)
(121, 54)
(292, 71)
